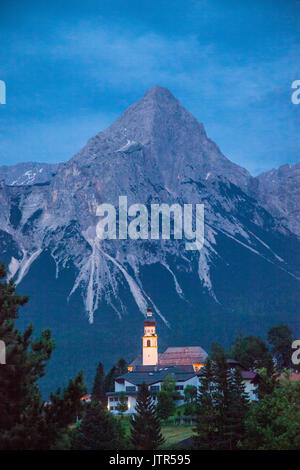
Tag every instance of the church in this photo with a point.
(184, 364)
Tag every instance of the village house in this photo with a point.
(183, 364)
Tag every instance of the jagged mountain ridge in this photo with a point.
(278, 190)
(27, 173)
(155, 152)
(172, 149)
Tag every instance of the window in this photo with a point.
(148, 343)
(130, 388)
(179, 387)
(154, 388)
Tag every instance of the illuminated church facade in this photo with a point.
(183, 364)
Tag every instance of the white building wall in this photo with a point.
(250, 390)
(122, 387)
(132, 399)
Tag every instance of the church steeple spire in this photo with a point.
(150, 352)
(149, 311)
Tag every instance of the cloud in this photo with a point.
(118, 57)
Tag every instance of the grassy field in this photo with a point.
(175, 434)
(172, 434)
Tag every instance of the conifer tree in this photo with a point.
(65, 407)
(221, 406)
(99, 430)
(145, 426)
(24, 419)
(231, 404)
(98, 391)
(121, 367)
(115, 371)
(205, 430)
(221, 400)
(237, 409)
(280, 337)
(109, 380)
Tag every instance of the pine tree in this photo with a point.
(24, 420)
(221, 400)
(237, 409)
(205, 430)
(99, 430)
(65, 407)
(98, 392)
(115, 371)
(121, 367)
(109, 381)
(280, 337)
(20, 400)
(221, 406)
(145, 426)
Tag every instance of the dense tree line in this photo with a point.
(255, 353)
(224, 417)
(221, 408)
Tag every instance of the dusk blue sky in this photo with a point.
(71, 67)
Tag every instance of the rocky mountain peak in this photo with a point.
(278, 191)
(156, 152)
(163, 132)
(159, 93)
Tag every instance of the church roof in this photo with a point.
(183, 356)
(176, 356)
(153, 374)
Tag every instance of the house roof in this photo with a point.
(249, 375)
(151, 375)
(183, 356)
(294, 377)
(246, 374)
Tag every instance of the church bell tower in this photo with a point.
(150, 353)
